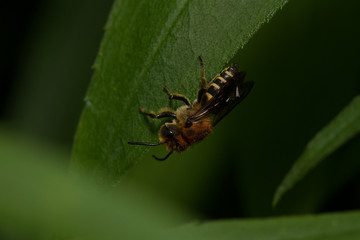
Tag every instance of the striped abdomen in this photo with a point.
(223, 80)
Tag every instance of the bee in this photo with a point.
(191, 123)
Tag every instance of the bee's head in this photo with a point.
(169, 131)
(171, 136)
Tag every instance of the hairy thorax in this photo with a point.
(189, 135)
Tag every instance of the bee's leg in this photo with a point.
(161, 114)
(203, 81)
(164, 158)
(200, 94)
(177, 96)
(203, 78)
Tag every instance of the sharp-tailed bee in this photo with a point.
(193, 122)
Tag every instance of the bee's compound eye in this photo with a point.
(169, 131)
(188, 123)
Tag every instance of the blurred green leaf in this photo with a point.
(39, 200)
(344, 226)
(342, 128)
(148, 45)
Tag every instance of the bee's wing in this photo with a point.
(236, 96)
(223, 102)
(211, 107)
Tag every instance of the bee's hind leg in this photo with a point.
(203, 80)
(177, 96)
(161, 114)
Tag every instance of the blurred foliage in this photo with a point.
(345, 126)
(306, 68)
(327, 226)
(54, 205)
(40, 200)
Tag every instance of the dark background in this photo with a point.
(48, 50)
(305, 63)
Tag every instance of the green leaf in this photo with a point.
(344, 226)
(39, 200)
(148, 45)
(342, 128)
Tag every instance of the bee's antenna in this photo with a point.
(162, 159)
(145, 144)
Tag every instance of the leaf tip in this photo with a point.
(277, 196)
